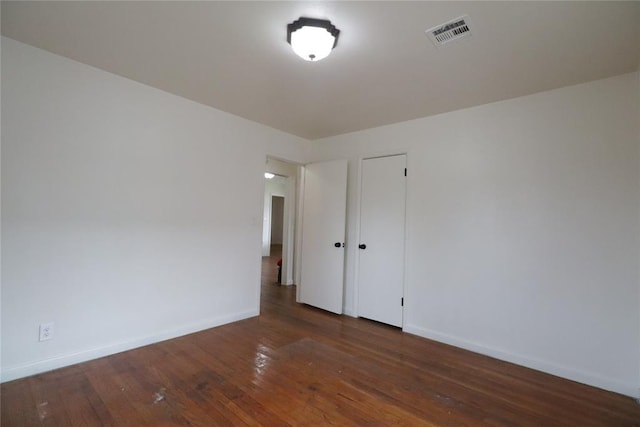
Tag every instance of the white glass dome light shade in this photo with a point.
(312, 43)
(312, 39)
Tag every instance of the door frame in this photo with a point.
(290, 239)
(354, 246)
(298, 233)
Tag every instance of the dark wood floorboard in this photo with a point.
(299, 366)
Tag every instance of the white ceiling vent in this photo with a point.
(449, 31)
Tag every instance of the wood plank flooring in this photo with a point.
(295, 365)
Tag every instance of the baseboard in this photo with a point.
(21, 371)
(349, 311)
(588, 378)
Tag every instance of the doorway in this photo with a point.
(277, 220)
(279, 231)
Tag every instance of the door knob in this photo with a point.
(362, 246)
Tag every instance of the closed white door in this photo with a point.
(382, 236)
(323, 231)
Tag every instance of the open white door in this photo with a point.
(382, 218)
(323, 230)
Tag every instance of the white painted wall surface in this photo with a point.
(523, 228)
(523, 219)
(111, 215)
(279, 167)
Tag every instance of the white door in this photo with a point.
(381, 247)
(323, 230)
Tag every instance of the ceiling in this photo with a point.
(234, 56)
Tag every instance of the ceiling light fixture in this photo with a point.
(312, 39)
(268, 175)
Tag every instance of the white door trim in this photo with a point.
(290, 239)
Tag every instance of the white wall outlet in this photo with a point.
(46, 331)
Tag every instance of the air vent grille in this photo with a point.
(449, 31)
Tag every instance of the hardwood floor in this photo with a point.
(295, 365)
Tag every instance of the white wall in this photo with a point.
(523, 219)
(523, 228)
(282, 168)
(112, 225)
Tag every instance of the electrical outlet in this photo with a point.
(46, 331)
